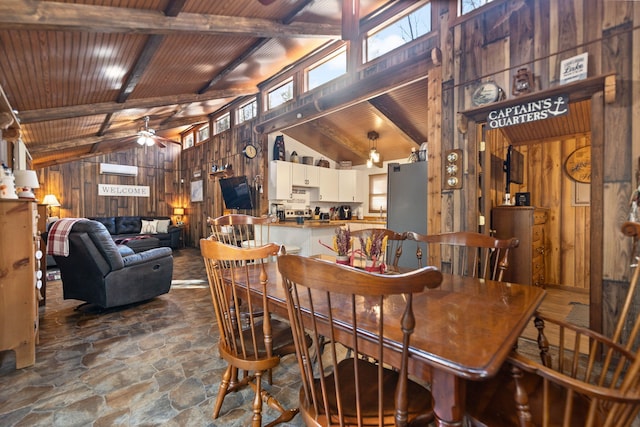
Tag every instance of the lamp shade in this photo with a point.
(51, 200)
(178, 211)
(26, 178)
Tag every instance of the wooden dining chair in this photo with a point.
(570, 385)
(250, 342)
(392, 251)
(328, 299)
(465, 253)
(241, 230)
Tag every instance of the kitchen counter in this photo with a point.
(316, 223)
(308, 235)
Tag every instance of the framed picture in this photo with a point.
(197, 194)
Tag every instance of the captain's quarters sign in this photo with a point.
(123, 190)
(531, 111)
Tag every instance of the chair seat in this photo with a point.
(501, 388)
(420, 402)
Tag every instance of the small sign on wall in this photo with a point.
(574, 68)
(123, 190)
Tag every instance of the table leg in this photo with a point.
(448, 394)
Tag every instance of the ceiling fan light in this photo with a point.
(141, 140)
(148, 141)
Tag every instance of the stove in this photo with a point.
(294, 213)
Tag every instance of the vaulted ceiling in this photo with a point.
(83, 74)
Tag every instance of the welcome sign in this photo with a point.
(541, 109)
(123, 190)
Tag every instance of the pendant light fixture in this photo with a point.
(374, 155)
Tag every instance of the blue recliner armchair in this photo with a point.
(97, 272)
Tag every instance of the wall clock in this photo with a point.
(578, 164)
(250, 151)
(486, 93)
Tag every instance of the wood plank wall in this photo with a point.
(222, 149)
(538, 34)
(75, 184)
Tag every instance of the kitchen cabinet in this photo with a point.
(304, 175)
(20, 252)
(528, 224)
(348, 186)
(329, 188)
(280, 185)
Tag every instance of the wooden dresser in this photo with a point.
(528, 224)
(19, 265)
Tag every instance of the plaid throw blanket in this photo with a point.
(58, 240)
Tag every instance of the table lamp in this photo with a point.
(26, 180)
(50, 200)
(178, 212)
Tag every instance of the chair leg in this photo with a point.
(222, 391)
(264, 396)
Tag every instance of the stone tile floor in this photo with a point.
(148, 364)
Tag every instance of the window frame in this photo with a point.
(364, 59)
(289, 80)
(373, 180)
(202, 133)
(342, 50)
(218, 120)
(241, 108)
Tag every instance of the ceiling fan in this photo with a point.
(147, 136)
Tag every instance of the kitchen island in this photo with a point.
(308, 235)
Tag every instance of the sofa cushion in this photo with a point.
(163, 225)
(149, 226)
(128, 225)
(108, 221)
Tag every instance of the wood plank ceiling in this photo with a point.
(82, 74)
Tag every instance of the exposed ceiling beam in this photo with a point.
(330, 132)
(45, 15)
(74, 143)
(383, 82)
(392, 111)
(251, 50)
(46, 114)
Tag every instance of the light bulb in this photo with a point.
(375, 156)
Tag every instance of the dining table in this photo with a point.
(465, 329)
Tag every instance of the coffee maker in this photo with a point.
(344, 212)
(279, 211)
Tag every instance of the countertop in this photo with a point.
(314, 223)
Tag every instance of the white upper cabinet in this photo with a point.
(304, 175)
(280, 180)
(348, 187)
(329, 190)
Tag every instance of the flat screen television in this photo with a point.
(514, 167)
(236, 192)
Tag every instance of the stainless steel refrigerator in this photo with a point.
(407, 204)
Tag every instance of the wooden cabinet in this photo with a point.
(18, 266)
(528, 224)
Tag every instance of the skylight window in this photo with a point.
(398, 33)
